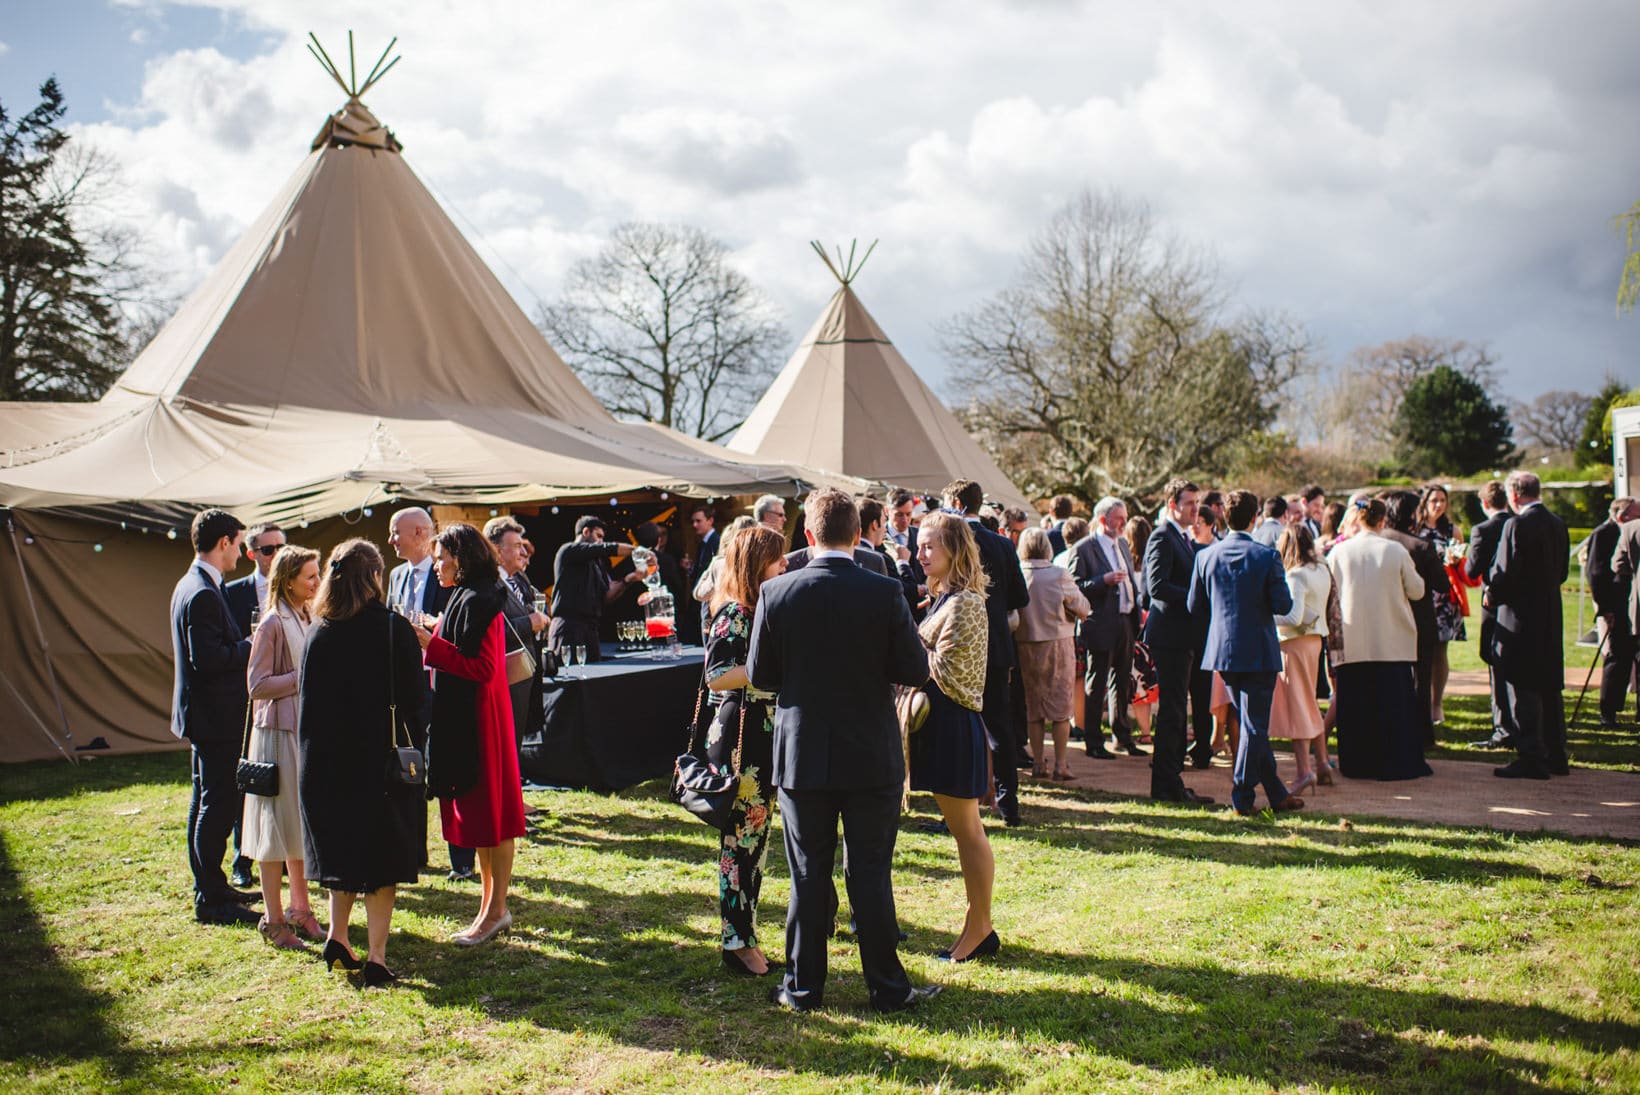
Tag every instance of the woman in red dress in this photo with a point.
(472, 754)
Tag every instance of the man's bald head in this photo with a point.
(411, 534)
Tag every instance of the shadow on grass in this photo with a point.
(47, 1012)
(40, 780)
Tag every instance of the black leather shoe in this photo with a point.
(243, 897)
(1184, 796)
(1097, 750)
(225, 913)
(1201, 763)
(377, 975)
(335, 954)
(1521, 769)
(242, 876)
(779, 997)
(461, 876)
(916, 996)
(1496, 741)
(1559, 768)
(1133, 749)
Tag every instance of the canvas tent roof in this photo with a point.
(350, 342)
(849, 402)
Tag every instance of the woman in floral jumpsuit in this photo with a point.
(743, 715)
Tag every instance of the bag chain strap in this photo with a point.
(392, 694)
(694, 720)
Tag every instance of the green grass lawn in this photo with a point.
(1146, 948)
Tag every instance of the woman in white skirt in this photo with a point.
(272, 832)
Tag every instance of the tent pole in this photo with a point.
(38, 721)
(40, 632)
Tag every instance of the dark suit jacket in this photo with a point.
(870, 560)
(1240, 586)
(1102, 629)
(1056, 536)
(708, 551)
(1007, 592)
(433, 596)
(831, 639)
(1427, 561)
(1611, 595)
(1483, 548)
(241, 595)
(208, 696)
(579, 580)
(1169, 563)
(1524, 588)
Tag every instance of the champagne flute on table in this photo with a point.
(579, 653)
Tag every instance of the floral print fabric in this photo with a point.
(745, 844)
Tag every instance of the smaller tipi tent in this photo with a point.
(848, 402)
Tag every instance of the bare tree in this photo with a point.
(71, 284)
(1109, 366)
(1554, 420)
(663, 329)
(1355, 407)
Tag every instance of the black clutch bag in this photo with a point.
(406, 767)
(254, 777)
(702, 788)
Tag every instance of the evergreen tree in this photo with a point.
(1447, 424)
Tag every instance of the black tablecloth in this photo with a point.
(614, 723)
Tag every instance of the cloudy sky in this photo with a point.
(1375, 169)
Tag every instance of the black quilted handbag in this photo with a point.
(701, 787)
(255, 777)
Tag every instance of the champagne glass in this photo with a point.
(579, 652)
(256, 616)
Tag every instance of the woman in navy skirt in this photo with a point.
(948, 754)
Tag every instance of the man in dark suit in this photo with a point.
(1006, 593)
(1401, 507)
(1274, 523)
(1483, 549)
(413, 586)
(865, 557)
(1611, 604)
(900, 542)
(1523, 589)
(246, 598)
(1104, 572)
(1314, 497)
(832, 640)
(581, 586)
(1062, 506)
(703, 519)
(1240, 587)
(1171, 635)
(208, 702)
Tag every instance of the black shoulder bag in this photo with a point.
(254, 777)
(405, 766)
(701, 787)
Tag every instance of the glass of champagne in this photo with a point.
(579, 652)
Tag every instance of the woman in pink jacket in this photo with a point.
(1044, 639)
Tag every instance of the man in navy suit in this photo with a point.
(1172, 636)
(832, 640)
(1104, 572)
(247, 597)
(208, 701)
(1062, 506)
(1240, 586)
(1483, 548)
(1006, 593)
(703, 519)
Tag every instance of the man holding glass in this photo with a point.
(582, 586)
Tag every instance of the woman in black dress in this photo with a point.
(361, 830)
(744, 715)
(1435, 528)
(948, 755)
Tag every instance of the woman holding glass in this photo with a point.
(948, 754)
(472, 750)
(272, 831)
(743, 716)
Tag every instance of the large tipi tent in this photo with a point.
(847, 401)
(350, 349)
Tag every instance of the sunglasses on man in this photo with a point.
(268, 551)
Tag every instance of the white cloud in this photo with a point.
(1376, 171)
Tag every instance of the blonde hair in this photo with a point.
(287, 566)
(954, 535)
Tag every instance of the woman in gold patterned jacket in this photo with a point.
(948, 755)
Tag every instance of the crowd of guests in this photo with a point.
(914, 644)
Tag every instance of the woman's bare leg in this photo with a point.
(378, 911)
(978, 869)
(1061, 746)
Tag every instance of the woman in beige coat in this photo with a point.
(272, 832)
(1043, 637)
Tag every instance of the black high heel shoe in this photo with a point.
(335, 953)
(987, 947)
(376, 975)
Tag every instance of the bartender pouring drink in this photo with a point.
(582, 585)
